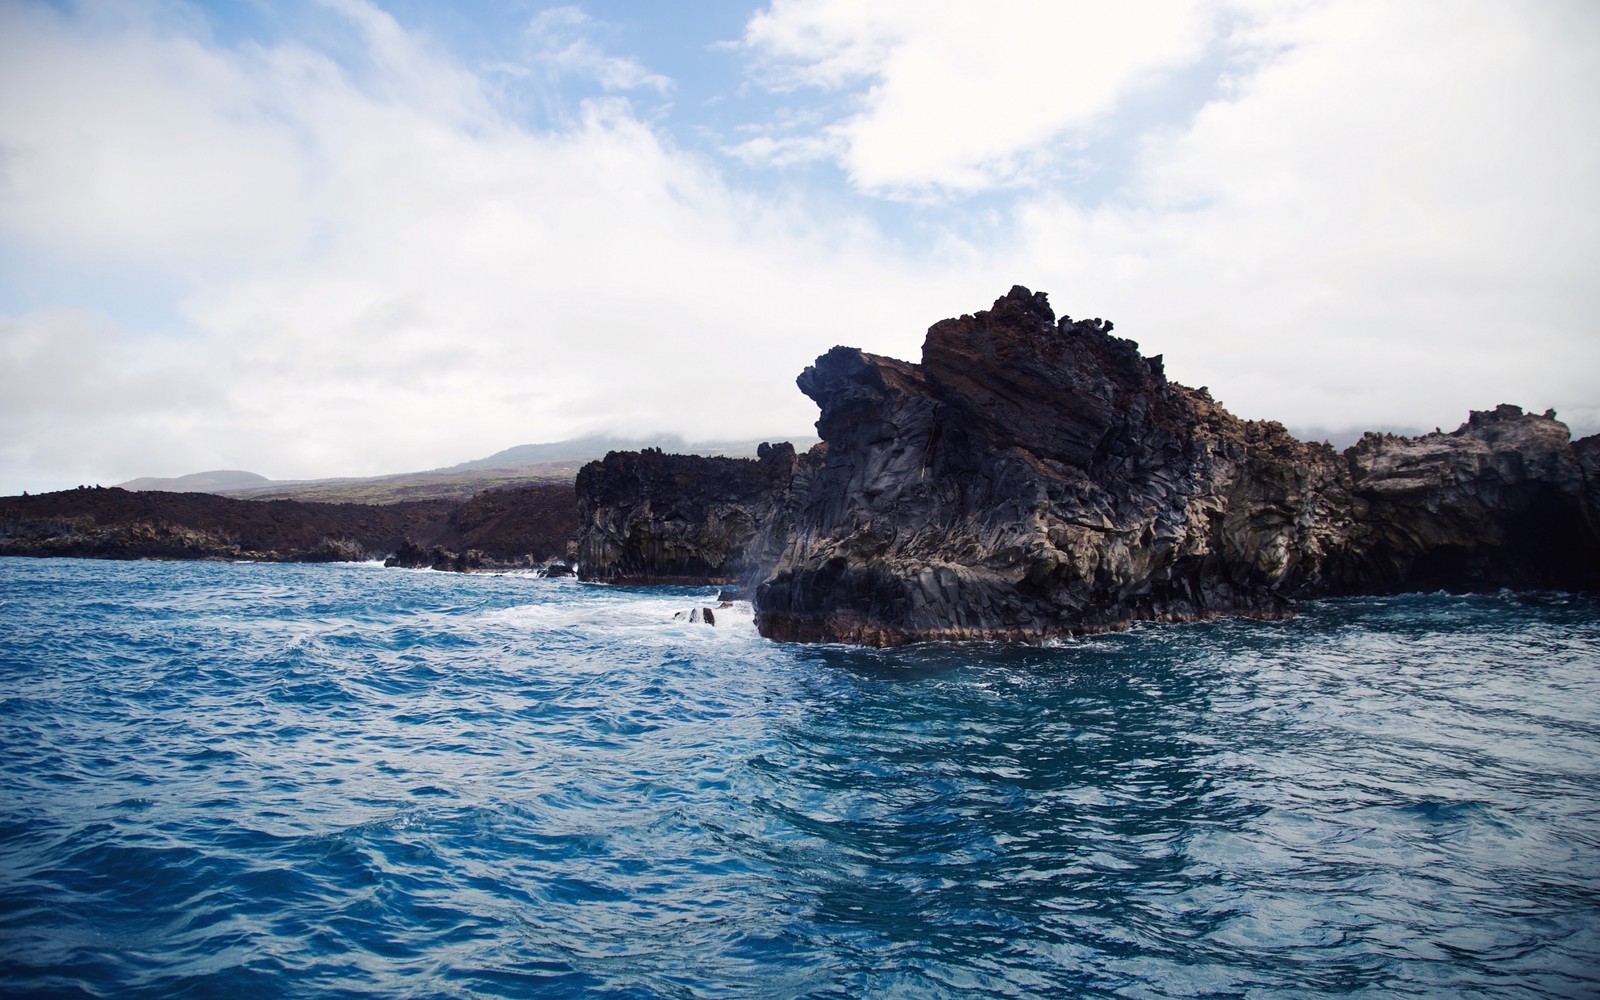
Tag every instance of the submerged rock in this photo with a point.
(697, 616)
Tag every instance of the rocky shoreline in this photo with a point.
(1029, 478)
(1032, 478)
(527, 527)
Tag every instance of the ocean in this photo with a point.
(256, 780)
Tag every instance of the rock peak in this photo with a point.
(1022, 304)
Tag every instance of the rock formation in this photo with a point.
(1033, 478)
(647, 517)
(1506, 500)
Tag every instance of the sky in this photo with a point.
(357, 237)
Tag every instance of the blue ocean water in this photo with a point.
(324, 781)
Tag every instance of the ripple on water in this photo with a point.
(326, 781)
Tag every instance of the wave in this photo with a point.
(320, 780)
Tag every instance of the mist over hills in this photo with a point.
(215, 481)
(555, 461)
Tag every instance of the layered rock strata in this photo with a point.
(1035, 477)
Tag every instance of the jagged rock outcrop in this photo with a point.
(410, 555)
(1502, 501)
(648, 517)
(1033, 478)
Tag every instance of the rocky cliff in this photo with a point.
(648, 517)
(1505, 500)
(1035, 477)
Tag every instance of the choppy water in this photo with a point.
(323, 781)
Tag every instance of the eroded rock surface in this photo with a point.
(649, 517)
(1035, 477)
(1502, 501)
(1032, 478)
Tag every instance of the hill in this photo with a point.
(552, 462)
(199, 482)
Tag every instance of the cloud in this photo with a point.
(83, 398)
(784, 151)
(110, 146)
(1334, 213)
(562, 48)
(1388, 219)
(365, 263)
(961, 97)
(405, 279)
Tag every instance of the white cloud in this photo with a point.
(964, 96)
(84, 398)
(784, 151)
(160, 146)
(1382, 215)
(1389, 220)
(407, 280)
(562, 48)
(827, 43)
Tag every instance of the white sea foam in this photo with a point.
(597, 608)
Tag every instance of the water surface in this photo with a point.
(324, 781)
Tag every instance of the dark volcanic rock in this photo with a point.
(1588, 451)
(647, 517)
(516, 527)
(410, 555)
(1503, 501)
(1033, 478)
(1029, 479)
(697, 616)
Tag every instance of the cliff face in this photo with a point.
(647, 517)
(1035, 477)
(1503, 501)
(1032, 478)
